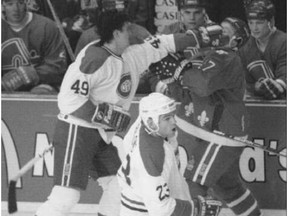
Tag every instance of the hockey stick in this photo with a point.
(220, 138)
(12, 201)
(250, 143)
(64, 37)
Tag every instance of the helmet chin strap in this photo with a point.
(153, 132)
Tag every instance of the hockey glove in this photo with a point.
(112, 116)
(269, 88)
(170, 68)
(23, 75)
(211, 35)
(206, 206)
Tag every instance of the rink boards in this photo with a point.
(28, 124)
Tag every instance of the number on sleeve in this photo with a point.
(154, 41)
(80, 87)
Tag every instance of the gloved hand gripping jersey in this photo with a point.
(23, 75)
(206, 206)
(112, 116)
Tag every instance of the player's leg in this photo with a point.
(60, 202)
(199, 173)
(107, 163)
(236, 195)
(74, 148)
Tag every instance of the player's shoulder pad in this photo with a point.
(93, 59)
(152, 152)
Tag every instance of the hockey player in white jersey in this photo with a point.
(151, 183)
(94, 98)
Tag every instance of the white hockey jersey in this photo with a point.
(151, 183)
(101, 76)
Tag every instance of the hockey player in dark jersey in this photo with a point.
(212, 92)
(33, 53)
(265, 54)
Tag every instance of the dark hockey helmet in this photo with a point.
(109, 5)
(241, 30)
(260, 9)
(191, 3)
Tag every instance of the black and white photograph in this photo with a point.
(144, 108)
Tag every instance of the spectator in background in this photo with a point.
(143, 13)
(90, 34)
(74, 27)
(220, 9)
(265, 54)
(33, 54)
(192, 15)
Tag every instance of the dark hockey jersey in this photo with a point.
(39, 44)
(212, 99)
(272, 63)
(216, 89)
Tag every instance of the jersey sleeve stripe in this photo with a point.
(133, 208)
(132, 201)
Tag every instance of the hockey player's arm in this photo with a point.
(155, 48)
(281, 67)
(54, 63)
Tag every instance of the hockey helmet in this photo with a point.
(241, 30)
(260, 9)
(154, 105)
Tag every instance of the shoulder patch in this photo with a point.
(125, 85)
(152, 152)
(93, 59)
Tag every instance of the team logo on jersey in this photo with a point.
(189, 109)
(125, 85)
(16, 54)
(203, 118)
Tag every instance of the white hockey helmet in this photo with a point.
(154, 105)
